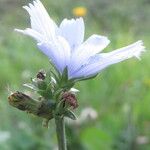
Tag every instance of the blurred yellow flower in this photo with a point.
(79, 11)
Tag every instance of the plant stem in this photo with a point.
(61, 135)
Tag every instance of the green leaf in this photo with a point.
(60, 107)
(30, 86)
(68, 113)
(57, 93)
(42, 93)
(69, 85)
(46, 94)
(49, 91)
(48, 77)
(57, 78)
(42, 85)
(54, 68)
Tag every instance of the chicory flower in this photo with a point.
(65, 47)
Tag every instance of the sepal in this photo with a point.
(64, 77)
(30, 86)
(83, 78)
(60, 108)
(68, 113)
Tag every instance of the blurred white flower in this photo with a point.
(86, 115)
(4, 136)
(24, 126)
(142, 140)
(64, 44)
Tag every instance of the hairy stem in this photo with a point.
(61, 135)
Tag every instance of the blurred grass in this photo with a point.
(120, 94)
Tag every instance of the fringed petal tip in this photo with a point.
(31, 6)
(106, 41)
(73, 20)
(23, 31)
(35, 2)
(139, 48)
(27, 31)
(99, 39)
(18, 30)
(31, 33)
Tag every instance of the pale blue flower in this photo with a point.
(65, 47)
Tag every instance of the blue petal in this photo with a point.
(58, 52)
(101, 61)
(90, 47)
(31, 33)
(41, 21)
(73, 31)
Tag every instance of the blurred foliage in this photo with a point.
(114, 93)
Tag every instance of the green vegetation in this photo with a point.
(120, 94)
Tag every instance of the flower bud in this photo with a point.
(70, 99)
(25, 103)
(41, 75)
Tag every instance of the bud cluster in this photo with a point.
(55, 97)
